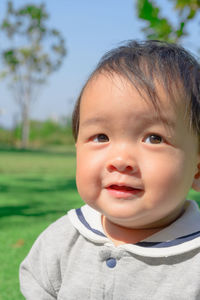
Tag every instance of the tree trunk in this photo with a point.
(25, 124)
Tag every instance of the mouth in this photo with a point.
(123, 191)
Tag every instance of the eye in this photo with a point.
(100, 138)
(153, 139)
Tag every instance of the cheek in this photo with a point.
(87, 164)
(88, 175)
(168, 175)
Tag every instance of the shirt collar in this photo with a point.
(181, 236)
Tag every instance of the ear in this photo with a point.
(196, 181)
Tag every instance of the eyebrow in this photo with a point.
(148, 121)
(94, 120)
(169, 122)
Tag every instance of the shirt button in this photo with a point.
(111, 262)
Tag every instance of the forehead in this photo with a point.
(106, 90)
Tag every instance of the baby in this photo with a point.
(136, 125)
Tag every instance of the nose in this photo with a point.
(123, 163)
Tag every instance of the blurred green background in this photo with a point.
(36, 188)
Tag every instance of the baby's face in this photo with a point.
(133, 166)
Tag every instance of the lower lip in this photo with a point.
(124, 194)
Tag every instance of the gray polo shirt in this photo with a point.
(73, 259)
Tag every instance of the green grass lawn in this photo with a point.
(36, 188)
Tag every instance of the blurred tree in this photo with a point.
(36, 51)
(158, 27)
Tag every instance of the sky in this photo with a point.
(90, 28)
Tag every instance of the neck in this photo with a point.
(121, 235)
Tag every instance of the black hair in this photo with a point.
(146, 63)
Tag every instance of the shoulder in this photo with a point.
(60, 237)
(44, 261)
(59, 229)
(56, 237)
